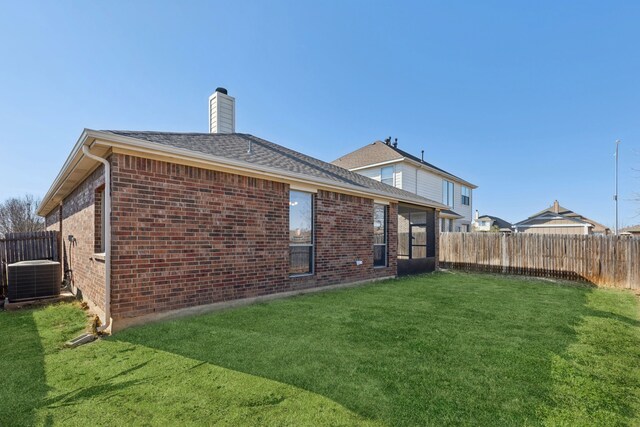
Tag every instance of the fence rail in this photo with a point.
(602, 260)
(16, 247)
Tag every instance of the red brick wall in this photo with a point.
(184, 236)
(344, 234)
(78, 213)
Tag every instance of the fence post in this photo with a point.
(630, 251)
(503, 250)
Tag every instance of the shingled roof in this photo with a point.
(634, 229)
(267, 154)
(558, 209)
(501, 223)
(380, 152)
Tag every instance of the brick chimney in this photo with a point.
(556, 206)
(222, 112)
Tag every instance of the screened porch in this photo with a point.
(417, 227)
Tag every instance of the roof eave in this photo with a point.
(441, 173)
(76, 155)
(556, 216)
(90, 137)
(422, 165)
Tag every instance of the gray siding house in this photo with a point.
(385, 162)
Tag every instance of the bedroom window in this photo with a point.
(99, 218)
(386, 175)
(300, 233)
(447, 193)
(379, 235)
(466, 196)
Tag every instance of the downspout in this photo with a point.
(107, 236)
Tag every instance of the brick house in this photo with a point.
(165, 222)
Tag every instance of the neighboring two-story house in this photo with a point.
(385, 162)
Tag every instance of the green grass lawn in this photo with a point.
(441, 349)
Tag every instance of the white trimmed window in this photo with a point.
(466, 196)
(99, 221)
(379, 235)
(386, 175)
(447, 193)
(301, 239)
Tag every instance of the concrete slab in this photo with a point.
(65, 296)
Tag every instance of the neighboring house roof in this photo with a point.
(559, 211)
(448, 213)
(634, 229)
(265, 158)
(501, 223)
(380, 152)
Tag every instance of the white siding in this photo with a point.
(459, 207)
(222, 111)
(373, 173)
(421, 182)
(407, 179)
(429, 185)
(398, 176)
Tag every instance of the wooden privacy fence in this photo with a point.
(601, 260)
(16, 247)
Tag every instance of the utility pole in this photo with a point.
(615, 197)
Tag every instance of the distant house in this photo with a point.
(385, 162)
(490, 223)
(559, 220)
(634, 230)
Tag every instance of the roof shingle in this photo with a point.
(568, 213)
(268, 154)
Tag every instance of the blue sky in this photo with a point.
(524, 99)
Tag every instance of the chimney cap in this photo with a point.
(222, 90)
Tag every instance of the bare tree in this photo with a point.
(18, 215)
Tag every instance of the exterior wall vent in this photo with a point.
(222, 112)
(33, 279)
